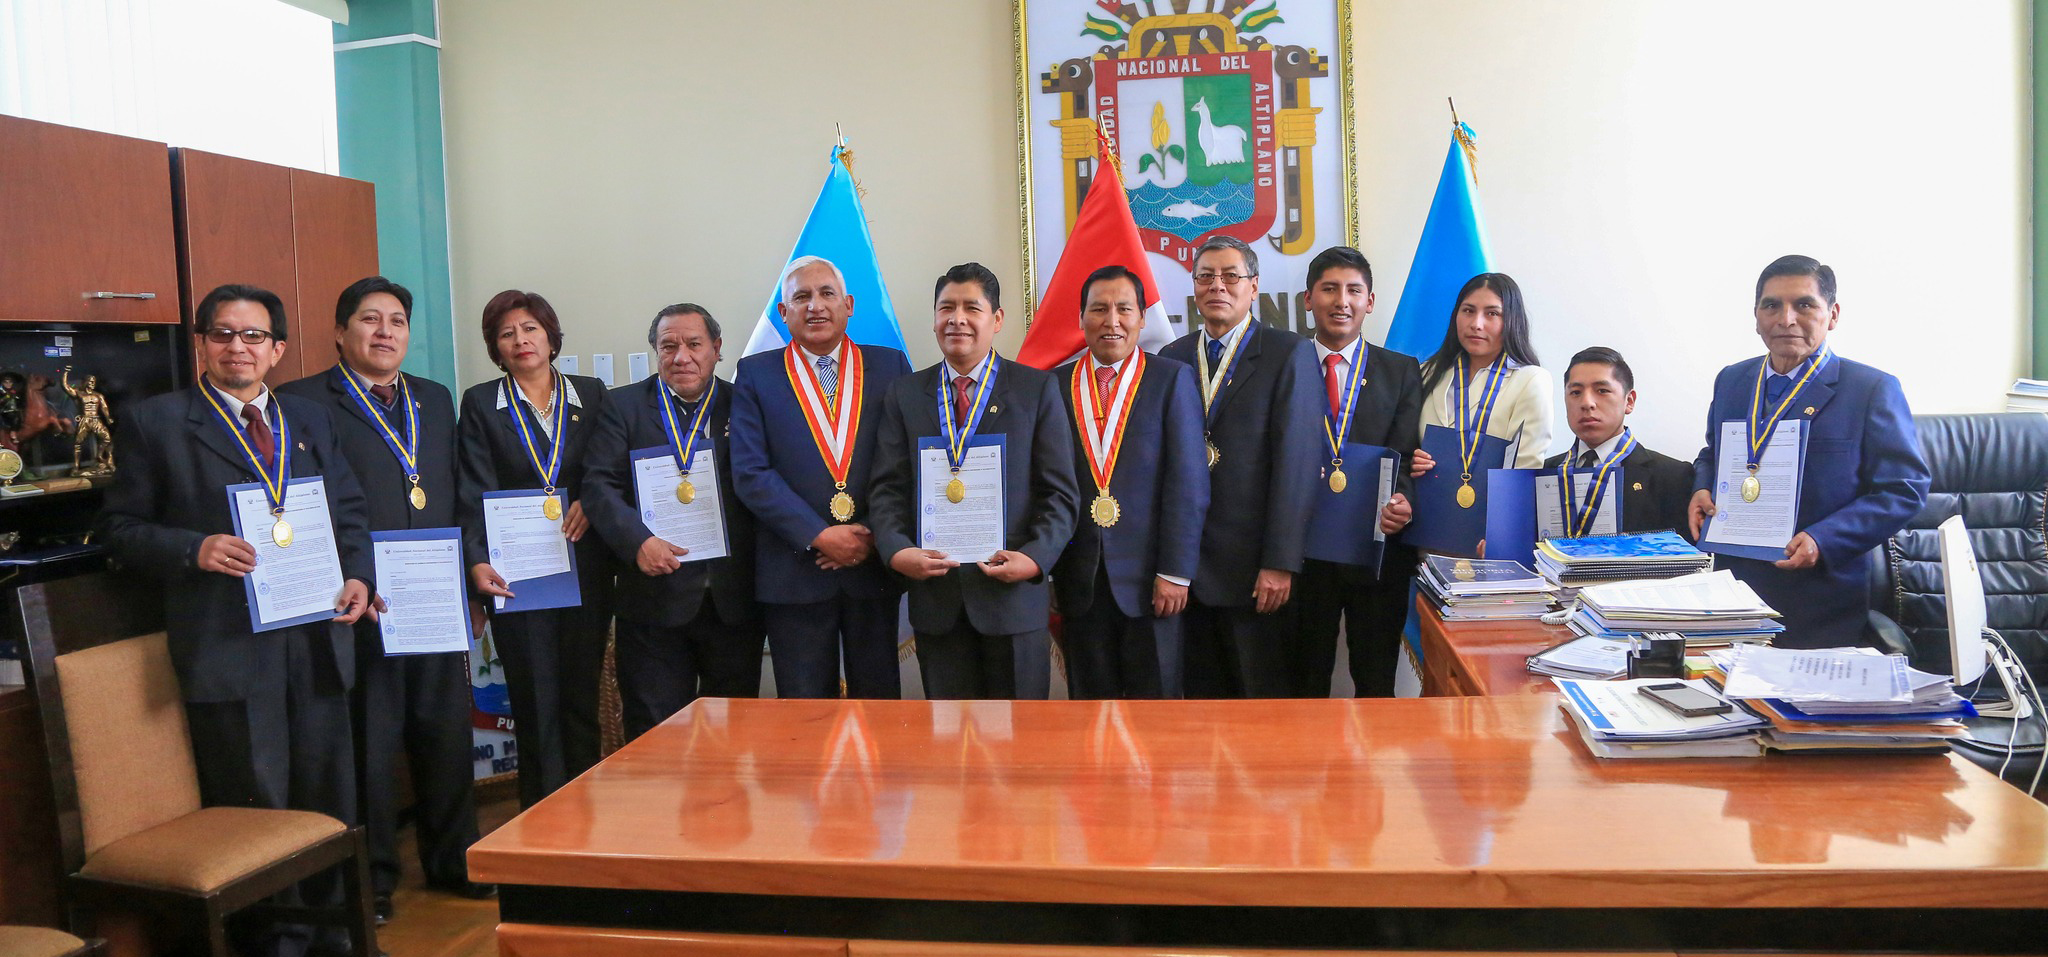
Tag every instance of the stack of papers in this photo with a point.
(1842, 698)
(1474, 589)
(1595, 658)
(1575, 563)
(1711, 609)
(1616, 720)
(2027, 395)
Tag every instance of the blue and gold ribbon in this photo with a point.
(1335, 430)
(406, 450)
(958, 434)
(684, 446)
(273, 482)
(550, 465)
(1213, 383)
(1471, 424)
(1578, 522)
(1760, 436)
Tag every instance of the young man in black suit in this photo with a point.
(1599, 393)
(687, 627)
(268, 713)
(398, 433)
(1260, 396)
(980, 621)
(1386, 412)
(1123, 581)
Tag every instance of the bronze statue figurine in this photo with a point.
(95, 421)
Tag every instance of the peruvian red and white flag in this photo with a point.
(1104, 234)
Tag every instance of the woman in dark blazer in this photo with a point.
(554, 658)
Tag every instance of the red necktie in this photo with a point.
(383, 394)
(1104, 375)
(1330, 383)
(962, 386)
(259, 434)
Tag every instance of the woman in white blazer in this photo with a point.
(1490, 326)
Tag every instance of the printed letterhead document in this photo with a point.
(971, 529)
(699, 525)
(524, 542)
(1551, 521)
(419, 576)
(1771, 520)
(292, 584)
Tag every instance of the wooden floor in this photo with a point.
(433, 924)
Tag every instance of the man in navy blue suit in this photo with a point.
(980, 621)
(1263, 406)
(1863, 474)
(1123, 581)
(803, 443)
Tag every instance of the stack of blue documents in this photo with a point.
(1711, 609)
(1577, 562)
(1475, 589)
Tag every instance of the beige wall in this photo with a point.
(1639, 162)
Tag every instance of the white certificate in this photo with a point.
(419, 576)
(298, 582)
(698, 526)
(1551, 521)
(1771, 520)
(970, 530)
(524, 542)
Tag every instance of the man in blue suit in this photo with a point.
(1263, 406)
(980, 621)
(803, 443)
(1863, 475)
(1123, 581)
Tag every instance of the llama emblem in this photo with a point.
(1220, 144)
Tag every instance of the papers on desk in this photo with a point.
(1525, 506)
(1758, 529)
(1709, 609)
(294, 584)
(699, 525)
(1843, 699)
(1818, 675)
(1617, 721)
(420, 578)
(1468, 589)
(1598, 659)
(969, 530)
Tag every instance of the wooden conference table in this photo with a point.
(1469, 823)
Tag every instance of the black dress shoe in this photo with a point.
(384, 909)
(470, 889)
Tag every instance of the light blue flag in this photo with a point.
(1452, 250)
(837, 231)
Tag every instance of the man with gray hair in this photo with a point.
(1261, 410)
(804, 421)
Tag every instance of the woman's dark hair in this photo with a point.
(1514, 329)
(352, 297)
(510, 300)
(202, 314)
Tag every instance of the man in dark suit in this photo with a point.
(268, 713)
(1599, 393)
(1261, 396)
(803, 443)
(398, 433)
(1864, 477)
(980, 621)
(686, 627)
(1123, 581)
(1371, 606)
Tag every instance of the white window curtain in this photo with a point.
(248, 78)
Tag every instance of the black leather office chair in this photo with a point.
(1991, 469)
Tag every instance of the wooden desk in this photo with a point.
(1482, 657)
(1429, 823)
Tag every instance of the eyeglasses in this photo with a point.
(254, 337)
(1229, 279)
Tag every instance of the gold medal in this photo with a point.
(281, 533)
(686, 492)
(1751, 488)
(1337, 480)
(842, 506)
(552, 508)
(1466, 497)
(1215, 456)
(10, 465)
(418, 497)
(1105, 510)
(956, 491)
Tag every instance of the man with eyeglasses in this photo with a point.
(1262, 400)
(268, 713)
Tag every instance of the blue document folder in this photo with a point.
(453, 537)
(249, 581)
(1762, 553)
(1342, 524)
(1511, 514)
(995, 440)
(1440, 525)
(553, 591)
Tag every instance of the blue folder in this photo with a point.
(451, 535)
(1439, 524)
(1341, 525)
(249, 582)
(1511, 514)
(553, 591)
(1762, 553)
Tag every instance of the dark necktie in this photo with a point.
(384, 394)
(1589, 459)
(1775, 388)
(1330, 383)
(1215, 357)
(828, 376)
(1104, 375)
(963, 387)
(259, 434)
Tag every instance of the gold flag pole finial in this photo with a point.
(845, 155)
(1116, 163)
(1464, 138)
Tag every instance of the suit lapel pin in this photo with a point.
(1636, 487)
(993, 409)
(1809, 410)
(302, 446)
(575, 418)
